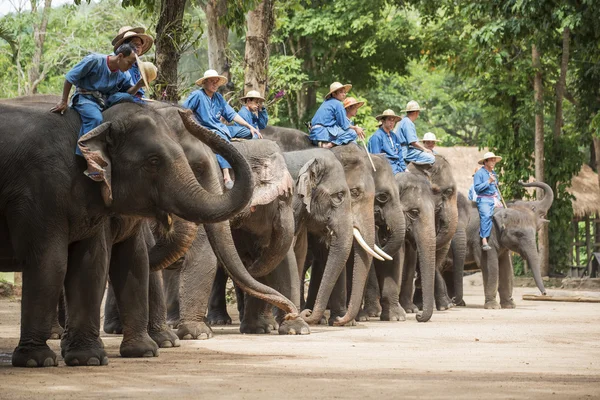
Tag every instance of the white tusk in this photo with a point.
(382, 253)
(365, 246)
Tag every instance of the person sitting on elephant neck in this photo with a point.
(100, 81)
(412, 150)
(209, 106)
(351, 105)
(141, 42)
(486, 187)
(253, 112)
(386, 141)
(330, 126)
(429, 142)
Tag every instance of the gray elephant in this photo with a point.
(57, 221)
(514, 229)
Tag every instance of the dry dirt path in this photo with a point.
(539, 350)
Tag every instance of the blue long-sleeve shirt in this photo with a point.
(482, 185)
(331, 113)
(93, 74)
(208, 111)
(136, 75)
(259, 120)
(388, 144)
(407, 131)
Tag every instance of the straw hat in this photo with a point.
(253, 94)
(146, 41)
(430, 137)
(388, 114)
(335, 86)
(148, 71)
(125, 29)
(351, 101)
(489, 155)
(211, 73)
(412, 106)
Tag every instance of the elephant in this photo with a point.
(514, 229)
(97, 224)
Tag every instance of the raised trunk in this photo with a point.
(260, 23)
(39, 37)
(425, 239)
(217, 38)
(169, 29)
(541, 206)
(172, 244)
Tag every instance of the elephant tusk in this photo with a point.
(365, 246)
(382, 253)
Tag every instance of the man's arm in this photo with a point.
(63, 104)
(134, 89)
(243, 122)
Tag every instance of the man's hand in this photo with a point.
(60, 107)
(256, 132)
(492, 178)
(360, 132)
(426, 150)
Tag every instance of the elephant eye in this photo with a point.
(413, 213)
(337, 198)
(448, 192)
(153, 161)
(355, 192)
(383, 197)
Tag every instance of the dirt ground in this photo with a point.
(539, 350)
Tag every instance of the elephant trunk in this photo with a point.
(219, 236)
(426, 248)
(541, 206)
(172, 244)
(459, 249)
(396, 223)
(447, 218)
(533, 260)
(193, 202)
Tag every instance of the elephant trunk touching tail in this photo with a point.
(426, 248)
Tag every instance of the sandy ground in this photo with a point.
(539, 350)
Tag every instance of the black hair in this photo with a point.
(126, 49)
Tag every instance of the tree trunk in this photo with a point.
(217, 39)
(169, 30)
(539, 152)
(561, 84)
(260, 22)
(39, 37)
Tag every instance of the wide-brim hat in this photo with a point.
(429, 137)
(148, 71)
(126, 29)
(147, 41)
(487, 156)
(412, 106)
(211, 73)
(252, 94)
(335, 86)
(388, 114)
(351, 101)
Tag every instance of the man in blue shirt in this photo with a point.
(141, 42)
(330, 126)
(385, 141)
(486, 188)
(253, 112)
(209, 106)
(412, 150)
(100, 81)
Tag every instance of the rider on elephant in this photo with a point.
(352, 105)
(412, 150)
(386, 141)
(429, 142)
(486, 189)
(100, 81)
(330, 126)
(209, 107)
(141, 42)
(253, 112)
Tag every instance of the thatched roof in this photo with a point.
(584, 186)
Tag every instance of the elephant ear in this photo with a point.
(500, 218)
(306, 182)
(93, 146)
(272, 181)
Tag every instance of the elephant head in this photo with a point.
(516, 229)
(418, 198)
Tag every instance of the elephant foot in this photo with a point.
(34, 356)
(164, 338)
(459, 302)
(113, 326)
(194, 331)
(57, 331)
(409, 307)
(220, 317)
(143, 346)
(393, 313)
(173, 320)
(372, 310)
(75, 354)
(259, 325)
(443, 303)
(334, 319)
(508, 304)
(294, 325)
(491, 305)
(363, 316)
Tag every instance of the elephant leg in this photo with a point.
(286, 280)
(316, 275)
(258, 317)
(112, 319)
(217, 306)
(442, 300)
(339, 297)
(196, 280)
(240, 302)
(372, 307)
(300, 252)
(390, 275)
(505, 285)
(85, 284)
(489, 270)
(129, 274)
(158, 329)
(459, 251)
(57, 327)
(171, 286)
(408, 280)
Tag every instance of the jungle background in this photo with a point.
(521, 77)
